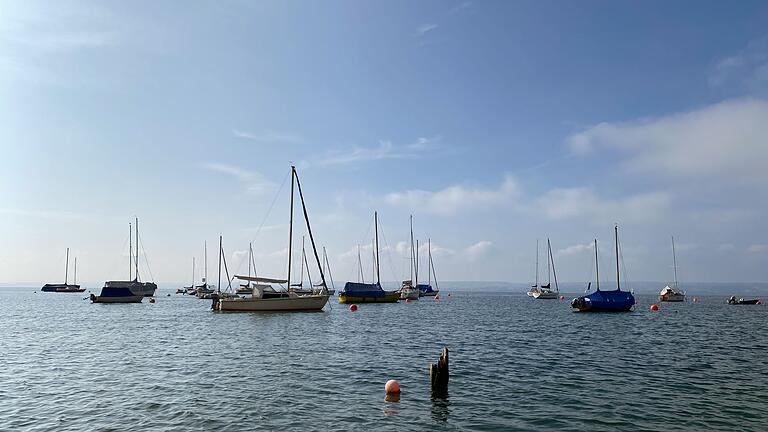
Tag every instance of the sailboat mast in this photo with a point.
(429, 266)
(360, 266)
(674, 261)
(218, 286)
(193, 272)
(137, 249)
(309, 230)
(66, 268)
(205, 259)
(130, 251)
(75, 282)
(597, 268)
(376, 223)
(537, 264)
(549, 265)
(552, 259)
(250, 257)
(417, 262)
(616, 236)
(411, 275)
(290, 230)
(303, 259)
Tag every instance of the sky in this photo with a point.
(495, 124)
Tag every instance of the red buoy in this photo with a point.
(352, 307)
(654, 307)
(437, 296)
(392, 386)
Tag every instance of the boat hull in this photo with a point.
(280, 304)
(388, 297)
(409, 294)
(672, 298)
(116, 299)
(544, 295)
(605, 301)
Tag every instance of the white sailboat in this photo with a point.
(407, 289)
(545, 292)
(670, 294)
(264, 297)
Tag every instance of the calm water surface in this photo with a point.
(516, 364)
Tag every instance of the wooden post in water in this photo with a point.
(438, 374)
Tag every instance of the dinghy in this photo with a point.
(734, 301)
(605, 301)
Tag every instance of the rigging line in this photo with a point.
(146, 258)
(226, 271)
(389, 252)
(624, 278)
(264, 220)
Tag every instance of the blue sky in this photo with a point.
(493, 123)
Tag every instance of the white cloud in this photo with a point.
(385, 150)
(758, 248)
(456, 198)
(425, 28)
(575, 249)
(254, 182)
(567, 203)
(269, 137)
(477, 250)
(727, 140)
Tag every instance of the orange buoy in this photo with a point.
(654, 307)
(352, 307)
(392, 387)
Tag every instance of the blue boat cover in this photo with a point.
(605, 301)
(116, 292)
(424, 288)
(362, 290)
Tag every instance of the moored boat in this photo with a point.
(545, 292)
(265, 298)
(605, 301)
(361, 292)
(742, 301)
(669, 294)
(65, 287)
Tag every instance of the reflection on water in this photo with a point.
(440, 407)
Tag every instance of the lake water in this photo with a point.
(516, 364)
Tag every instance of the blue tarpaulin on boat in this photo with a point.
(363, 289)
(116, 292)
(605, 301)
(424, 288)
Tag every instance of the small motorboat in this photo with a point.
(742, 301)
(408, 291)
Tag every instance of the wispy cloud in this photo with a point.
(269, 136)
(758, 248)
(456, 198)
(385, 150)
(423, 29)
(727, 140)
(746, 70)
(575, 250)
(477, 250)
(254, 181)
(583, 202)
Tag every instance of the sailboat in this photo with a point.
(266, 298)
(605, 301)
(65, 287)
(669, 294)
(427, 290)
(546, 292)
(407, 290)
(356, 292)
(130, 291)
(204, 290)
(535, 287)
(191, 287)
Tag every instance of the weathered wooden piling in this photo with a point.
(438, 374)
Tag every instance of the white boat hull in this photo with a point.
(409, 293)
(544, 295)
(254, 304)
